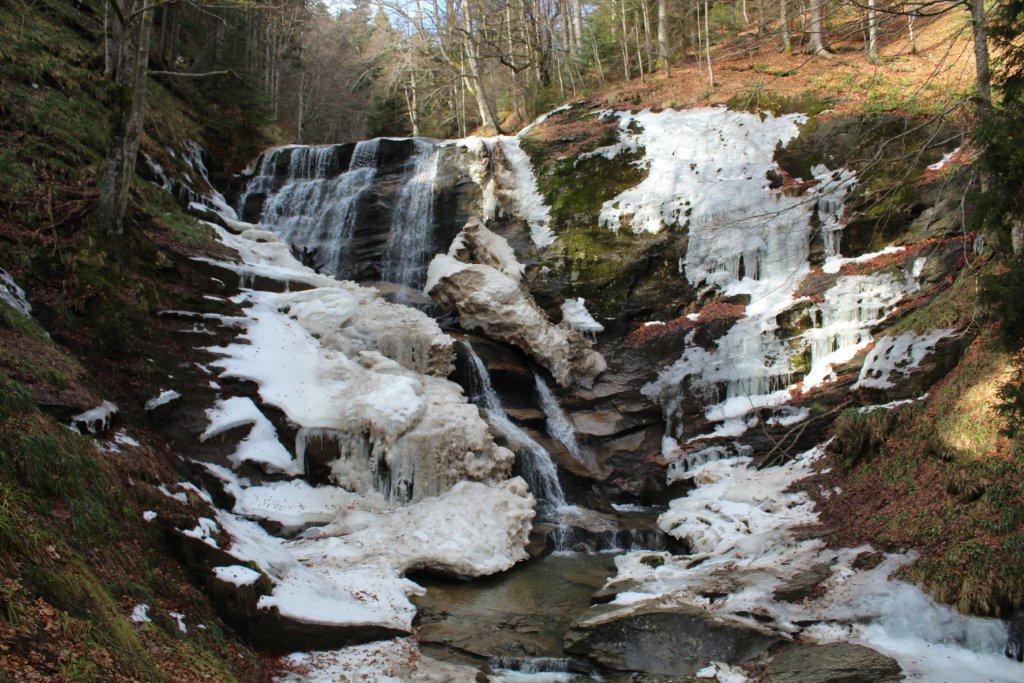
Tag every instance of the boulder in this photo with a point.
(676, 640)
(832, 663)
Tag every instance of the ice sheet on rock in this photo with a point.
(541, 119)
(179, 619)
(833, 186)
(351, 573)
(163, 398)
(577, 317)
(294, 503)
(204, 531)
(261, 445)
(894, 357)
(236, 574)
(703, 165)
(843, 320)
(835, 263)
(13, 295)
(476, 244)
(193, 154)
(743, 526)
(520, 185)
(489, 300)
(318, 594)
(941, 163)
(473, 529)
(95, 420)
(386, 661)
(140, 614)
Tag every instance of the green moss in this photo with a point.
(758, 99)
(861, 435)
(954, 307)
(593, 260)
(74, 589)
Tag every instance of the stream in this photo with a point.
(515, 620)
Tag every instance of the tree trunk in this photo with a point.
(707, 45)
(817, 44)
(647, 37)
(127, 108)
(576, 8)
(787, 45)
(761, 26)
(910, 31)
(663, 35)
(872, 32)
(625, 41)
(982, 75)
(474, 79)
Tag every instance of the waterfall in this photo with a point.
(538, 468)
(412, 222)
(314, 211)
(558, 424)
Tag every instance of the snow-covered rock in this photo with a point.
(488, 299)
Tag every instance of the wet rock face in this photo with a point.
(673, 641)
(832, 663)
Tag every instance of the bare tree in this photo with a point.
(129, 49)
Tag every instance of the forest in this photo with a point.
(545, 340)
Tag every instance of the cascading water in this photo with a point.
(315, 211)
(538, 468)
(558, 424)
(412, 222)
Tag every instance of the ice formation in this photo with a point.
(576, 316)
(744, 527)
(488, 299)
(476, 244)
(894, 357)
(163, 398)
(347, 368)
(843, 320)
(705, 167)
(504, 173)
(95, 420)
(13, 295)
(387, 661)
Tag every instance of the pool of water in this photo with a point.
(523, 613)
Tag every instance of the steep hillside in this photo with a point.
(77, 558)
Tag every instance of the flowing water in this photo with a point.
(537, 467)
(315, 211)
(412, 221)
(558, 424)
